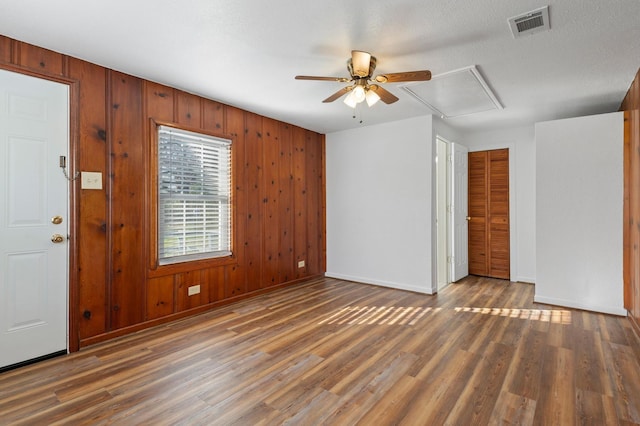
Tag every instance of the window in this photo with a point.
(194, 196)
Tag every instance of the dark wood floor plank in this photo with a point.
(523, 377)
(474, 406)
(556, 403)
(363, 396)
(512, 409)
(328, 351)
(591, 370)
(392, 405)
(438, 393)
(623, 368)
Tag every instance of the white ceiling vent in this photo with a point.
(530, 23)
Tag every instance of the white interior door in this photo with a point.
(459, 227)
(34, 133)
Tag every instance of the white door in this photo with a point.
(34, 133)
(459, 227)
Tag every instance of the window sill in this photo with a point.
(192, 265)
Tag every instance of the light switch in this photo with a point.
(91, 180)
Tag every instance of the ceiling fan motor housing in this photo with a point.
(361, 64)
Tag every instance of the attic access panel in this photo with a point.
(455, 93)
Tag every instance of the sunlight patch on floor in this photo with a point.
(556, 316)
(402, 315)
(390, 315)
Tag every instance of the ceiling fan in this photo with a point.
(361, 66)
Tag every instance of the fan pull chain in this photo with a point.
(357, 110)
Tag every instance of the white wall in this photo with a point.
(579, 200)
(379, 204)
(521, 144)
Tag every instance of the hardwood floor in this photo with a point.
(340, 353)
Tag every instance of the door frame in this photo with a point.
(73, 339)
(513, 264)
(440, 235)
(450, 222)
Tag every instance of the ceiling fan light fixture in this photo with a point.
(359, 93)
(350, 100)
(371, 97)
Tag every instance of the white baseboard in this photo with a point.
(527, 280)
(389, 284)
(575, 305)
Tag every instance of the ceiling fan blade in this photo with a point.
(309, 77)
(396, 77)
(385, 96)
(339, 93)
(360, 61)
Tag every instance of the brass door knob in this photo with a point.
(468, 217)
(57, 238)
(56, 220)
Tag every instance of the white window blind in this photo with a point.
(194, 188)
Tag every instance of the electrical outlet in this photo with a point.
(194, 289)
(301, 264)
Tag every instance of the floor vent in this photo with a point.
(530, 23)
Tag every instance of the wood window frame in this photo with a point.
(154, 267)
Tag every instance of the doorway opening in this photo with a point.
(451, 212)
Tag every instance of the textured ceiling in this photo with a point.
(246, 53)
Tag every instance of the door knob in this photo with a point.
(468, 217)
(57, 238)
(56, 220)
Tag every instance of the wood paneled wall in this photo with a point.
(278, 199)
(631, 104)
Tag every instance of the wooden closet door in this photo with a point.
(477, 211)
(489, 251)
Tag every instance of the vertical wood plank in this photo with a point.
(323, 200)
(271, 202)
(216, 279)
(299, 200)
(188, 111)
(127, 193)
(213, 116)
(159, 101)
(626, 252)
(634, 212)
(255, 200)
(160, 297)
(285, 175)
(159, 105)
(312, 172)
(236, 277)
(634, 190)
(92, 227)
